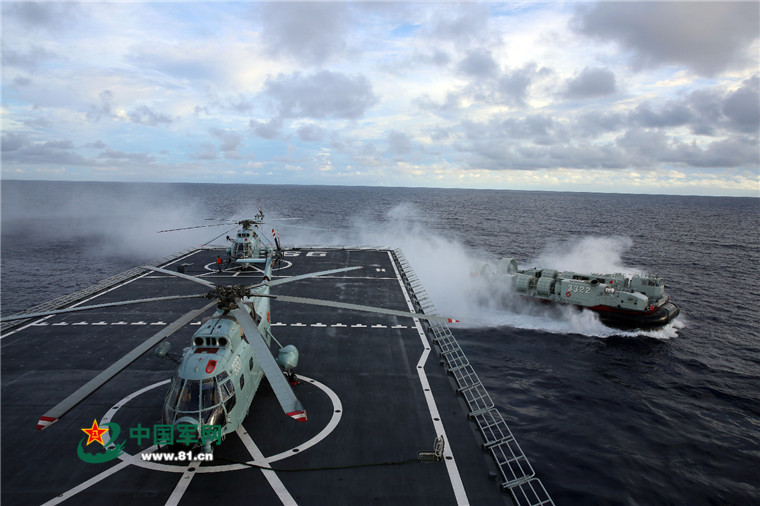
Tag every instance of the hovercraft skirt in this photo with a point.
(628, 320)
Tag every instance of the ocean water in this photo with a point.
(605, 417)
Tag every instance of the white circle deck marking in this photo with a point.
(281, 265)
(137, 461)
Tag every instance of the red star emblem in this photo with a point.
(95, 433)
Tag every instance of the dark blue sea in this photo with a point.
(605, 417)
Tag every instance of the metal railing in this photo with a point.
(517, 475)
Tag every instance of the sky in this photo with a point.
(651, 97)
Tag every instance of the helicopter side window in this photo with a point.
(228, 394)
(227, 391)
(214, 416)
(225, 386)
(229, 404)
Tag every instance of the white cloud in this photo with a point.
(708, 37)
(514, 95)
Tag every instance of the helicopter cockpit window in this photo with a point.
(209, 400)
(242, 249)
(209, 393)
(171, 398)
(189, 399)
(212, 412)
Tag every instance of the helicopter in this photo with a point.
(220, 372)
(249, 246)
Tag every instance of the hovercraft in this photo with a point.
(623, 302)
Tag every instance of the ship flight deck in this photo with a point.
(377, 390)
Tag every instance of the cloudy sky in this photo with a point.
(627, 97)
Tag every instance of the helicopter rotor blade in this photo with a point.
(359, 307)
(203, 282)
(190, 228)
(282, 281)
(220, 235)
(287, 399)
(63, 407)
(98, 306)
(305, 227)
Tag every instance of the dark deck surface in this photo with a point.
(374, 391)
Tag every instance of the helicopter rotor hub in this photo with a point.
(227, 296)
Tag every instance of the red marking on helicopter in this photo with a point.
(299, 416)
(210, 366)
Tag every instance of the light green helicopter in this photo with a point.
(250, 245)
(219, 373)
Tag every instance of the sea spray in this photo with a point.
(464, 282)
